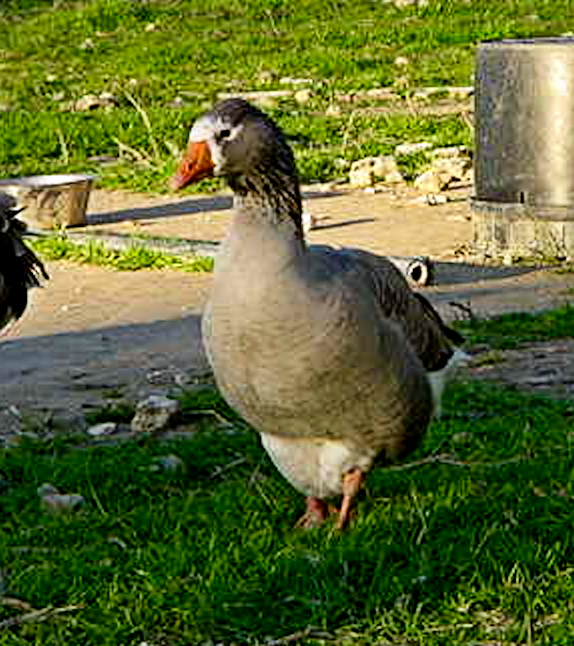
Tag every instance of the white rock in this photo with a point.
(401, 4)
(451, 152)
(105, 428)
(365, 172)
(452, 168)
(333, 110)
(401, 61)
(266, 76)
(434, 200)
(62, 502)
(55, 502)
(93, 102)
(303, 96)
(288, 80)
(171, 463)
(430, 182)
(409, 148)
(154, 414)
(46, 489)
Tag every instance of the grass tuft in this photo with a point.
(465, 550)
(133, 258)
(165, 62)
(512, 330)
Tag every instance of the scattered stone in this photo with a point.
(6, 107)
(55, 502)
(46, 489)
(303, 96)
(51, 78)
(288, 80)
(90, 102)
(450, 164)
(433, 199)
(154, 414)
(263, 98)
(409, 148)
(151, 26)
(451, 152)
(88, 44)
(167, 377)
(58, 96)
(365, 172)
(108, 97)
(62, 502)
(170, 463)
(266, 76)
(401, 61)
(430, 182)
(177, 102)
(453, 168)
(105, 428)
(333, 110)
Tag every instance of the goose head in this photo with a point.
(237, 141)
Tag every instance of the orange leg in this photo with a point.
(317, 512)
(352, 482)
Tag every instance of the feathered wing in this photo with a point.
(433, 341)
(20, 269)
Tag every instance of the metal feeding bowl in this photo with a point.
(524, 119)
(51, 201)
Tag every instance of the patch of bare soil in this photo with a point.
(94, 334)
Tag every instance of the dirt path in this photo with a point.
(93, 332)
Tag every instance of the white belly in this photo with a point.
(315, 466)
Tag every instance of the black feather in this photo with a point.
(451, 335)
(20, 269)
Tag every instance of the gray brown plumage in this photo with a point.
(20, 269)
(327, 353)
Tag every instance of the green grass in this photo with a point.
(53, 53)
(474, 552)
(135, 257)
(512, 330)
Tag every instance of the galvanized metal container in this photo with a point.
(51, 201)
(524, 159)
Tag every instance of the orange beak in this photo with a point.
(195, 165)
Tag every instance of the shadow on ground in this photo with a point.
(200, 204)
(452, 273)
(71, 372)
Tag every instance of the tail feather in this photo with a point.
(438, 378)
(20, 268)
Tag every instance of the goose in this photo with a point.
(20, 269)
(326, 352)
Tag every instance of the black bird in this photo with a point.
(20, 269)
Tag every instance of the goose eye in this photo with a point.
(224, 134)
